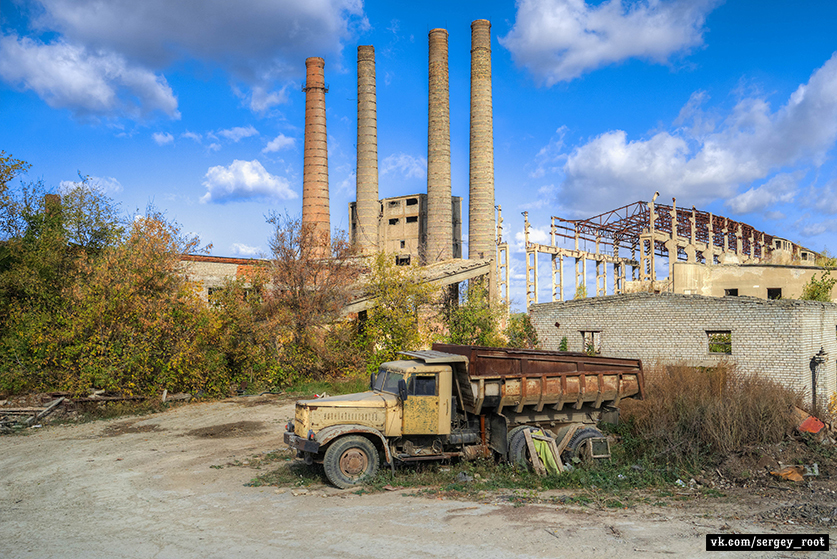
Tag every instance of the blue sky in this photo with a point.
(196, 106)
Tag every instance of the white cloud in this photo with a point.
(546, 196)
(191, 136)
(240, 249)
(162, 139)
(85, 81)
(213, 147)
(748, 145)
(239, 132)
(537, 235)
(550, 157)
(780, 188)
(253, 39)
(105, 185)
(279, 143)
(407, 165)
(559, 40)
(244, 180)
(262, 100)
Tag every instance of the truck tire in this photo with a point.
(350, 460)
(518, 451)
(573, 449)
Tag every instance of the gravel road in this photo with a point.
(144, 487)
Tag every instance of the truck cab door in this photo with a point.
(426, 411)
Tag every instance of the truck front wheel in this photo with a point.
(350, 460)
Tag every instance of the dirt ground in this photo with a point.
(146, 487)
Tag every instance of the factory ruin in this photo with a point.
(704, 254)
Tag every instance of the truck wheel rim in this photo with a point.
(353, 462)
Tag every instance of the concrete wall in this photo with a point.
(749, 279)
(402, 225)
(776, 339)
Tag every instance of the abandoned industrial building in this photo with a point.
(704, 254)
(776, 339)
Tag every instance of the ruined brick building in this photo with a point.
(774, 338)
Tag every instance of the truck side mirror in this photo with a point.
(402, 390)
(372, 381)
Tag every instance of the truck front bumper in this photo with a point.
(300, 444)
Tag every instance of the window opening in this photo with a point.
(720, 341)
(774, 292)
(393, 221)
(412, 201)
(402, 260)
(412, 219)
(591, 342)
(422, 386)
(730, 292)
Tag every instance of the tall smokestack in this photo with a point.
(481, 225)
(439, 212)
(367, 152)
(315, 212)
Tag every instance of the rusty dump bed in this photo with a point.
(498, 378)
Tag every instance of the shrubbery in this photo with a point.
(692, 417)
(92, 300)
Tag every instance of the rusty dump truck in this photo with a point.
(462, 401)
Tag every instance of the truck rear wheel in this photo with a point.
(518, 451)
(574, 446)
(350, 460)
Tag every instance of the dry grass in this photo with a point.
(694, 416)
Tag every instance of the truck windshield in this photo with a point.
(387, 381)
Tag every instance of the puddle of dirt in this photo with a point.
(227, 430)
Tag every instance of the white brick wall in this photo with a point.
(776, 339)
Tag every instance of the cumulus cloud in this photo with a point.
(239, 132)
(239, 249)
(252, 39)
(106, 58)
(780, 188)
(279, 143)
(559, 40)
(191, 136)
(407, 165)
(748, 145)
(85, 81)
(243, 180)
(162, 139)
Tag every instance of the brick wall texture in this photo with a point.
(775, 339)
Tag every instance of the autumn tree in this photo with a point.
(311, 281)
(399, 318)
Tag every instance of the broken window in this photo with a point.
(395, 204)
(402, 260)
(591, 342)
(403, 244)
(412, 219)
(774, 292)
(720, 341)
(412, 201)
(393, 221)
(731, 292)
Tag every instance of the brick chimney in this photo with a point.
(366, 237)
(439, 244)
(481, 224)
(315, 212)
